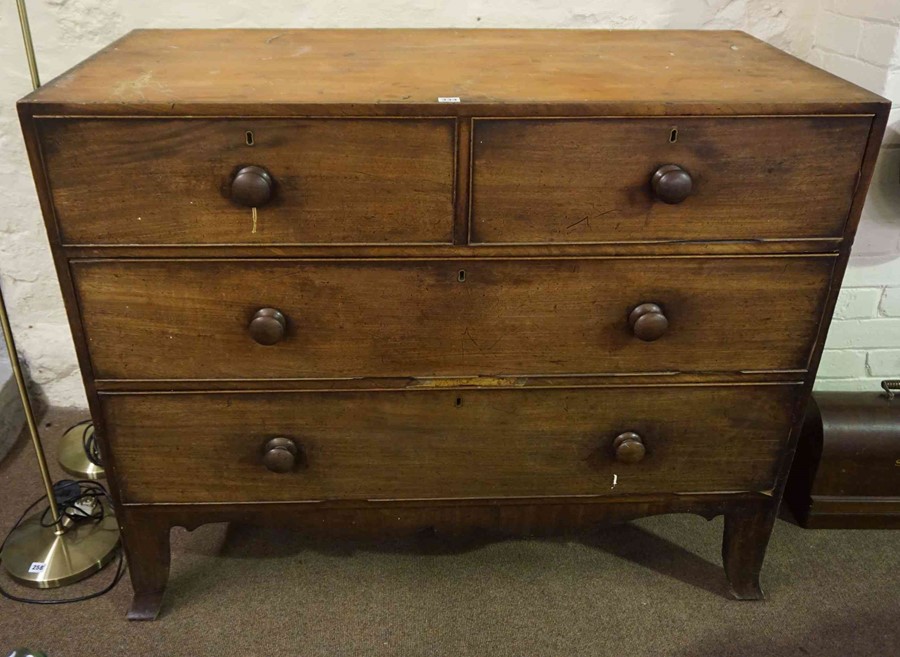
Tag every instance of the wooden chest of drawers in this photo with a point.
(386, 280)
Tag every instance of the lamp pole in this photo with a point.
(29, 46)
(7, 329)
(29, 414)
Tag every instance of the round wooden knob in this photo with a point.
(252, 186)
(648, 322)
(629, 447)
(671, 183)
(267, 326)
(280, 454)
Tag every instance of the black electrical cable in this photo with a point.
(88, 489)
(88, 441)
(91, 449)
(70, 508)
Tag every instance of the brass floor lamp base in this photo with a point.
(72, 456)
(35, 556)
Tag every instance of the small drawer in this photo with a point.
(446, 444)
(185, 181)
(264, 319)
(646, 180)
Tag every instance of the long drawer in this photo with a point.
(445, 444)
(169, 181)
(202, 319)
(735, 178)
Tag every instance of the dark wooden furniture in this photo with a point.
(846, 474)
(383, 280)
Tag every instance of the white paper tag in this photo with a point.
(448, 99)
(37, 567)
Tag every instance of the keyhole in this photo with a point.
(458, 402)
(673, 136)
(461, 276)
(249, 137)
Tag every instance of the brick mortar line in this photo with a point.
(866, 19)
(855, 58)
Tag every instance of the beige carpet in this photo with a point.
(652, 587)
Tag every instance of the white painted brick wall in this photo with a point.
(877, 42)
(884, 363)
(840, 34)
(860, 40)
(843, 363)
(864, 334)
(857, 303)
(890, 303)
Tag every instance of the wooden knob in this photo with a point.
(648, 322)
(671, 183)
(252, 186)
(280, 454)
(267, 326)
(629, 447)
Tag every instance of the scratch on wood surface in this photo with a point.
(586, 220)
(479, 381)
(580, 221)
(136, 87)
(487, 349)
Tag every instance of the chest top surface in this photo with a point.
(408, 72)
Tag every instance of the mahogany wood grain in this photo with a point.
(463, 181)
(188, 319)
(492, 72)
(338, 181)
(60, 263)
(590, 181)
(446, 444)
(744, 543)
(145, 538)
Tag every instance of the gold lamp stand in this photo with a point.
(58, 552)
(76, 455)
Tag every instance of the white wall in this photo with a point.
(860, 41)
(66, 31)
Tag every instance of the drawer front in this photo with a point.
(201, 319)
(591, 180)
(446, 444)
(170, 181)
